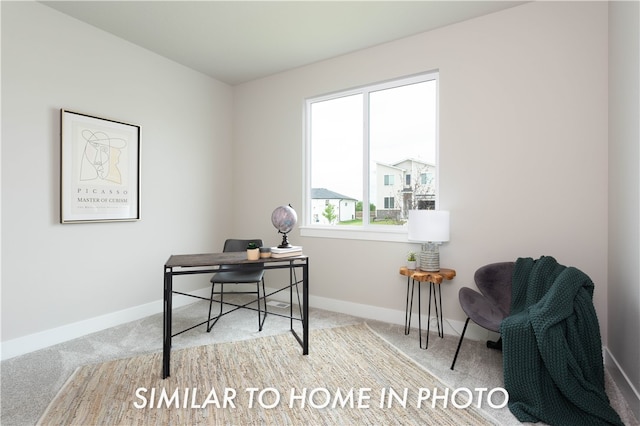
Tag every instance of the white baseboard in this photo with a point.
(44, 339)
(392, 316)
(630, 393)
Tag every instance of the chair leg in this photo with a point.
(264, 300)
(210, 326)
(495, 345)
(213, 285)
(259, 310)
(261, 315)
(460, 343)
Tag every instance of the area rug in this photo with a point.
(351, 376)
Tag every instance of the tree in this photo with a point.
(330, 213)
(372, 207)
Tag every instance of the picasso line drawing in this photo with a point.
(101, 156)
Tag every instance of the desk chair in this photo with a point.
(247, 274)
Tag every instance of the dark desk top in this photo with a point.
(216, 259)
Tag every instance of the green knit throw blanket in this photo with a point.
(552, 351)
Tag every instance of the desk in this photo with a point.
(188, 264)
(434, 279)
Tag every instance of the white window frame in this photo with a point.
(364, 231)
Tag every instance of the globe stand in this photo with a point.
(285, 242)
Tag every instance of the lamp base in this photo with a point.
(430, 258)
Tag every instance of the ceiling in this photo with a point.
(239, 41)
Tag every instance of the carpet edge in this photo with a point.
(487, 415)
(55, 397)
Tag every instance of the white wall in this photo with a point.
(523, 104)
(523, 148)
(55, 275)
(624, 197)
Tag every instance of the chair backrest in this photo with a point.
(239, 245)
(494, 282)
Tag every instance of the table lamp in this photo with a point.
(430, 227)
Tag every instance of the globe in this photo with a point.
(284, 218)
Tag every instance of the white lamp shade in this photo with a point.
(428, 225)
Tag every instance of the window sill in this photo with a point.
(392, 234)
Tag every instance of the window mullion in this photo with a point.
(366, 160)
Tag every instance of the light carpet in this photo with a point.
(351, 376)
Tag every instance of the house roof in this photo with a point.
(415, 160)
(325, 194)
(390, 166)
(396, 164)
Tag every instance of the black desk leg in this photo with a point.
(166, 338)
(291, 284)
(305, 298)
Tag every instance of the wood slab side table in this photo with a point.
(434, 279)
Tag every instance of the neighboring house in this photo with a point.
(407, 185)
(344, 207)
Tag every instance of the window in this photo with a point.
(389, 202)
(426, 178)
(365, 144)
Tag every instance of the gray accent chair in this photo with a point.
(492, 304)
(246, 274)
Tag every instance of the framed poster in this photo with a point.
(99, 169)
